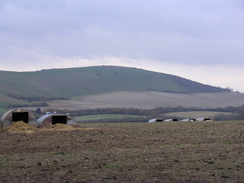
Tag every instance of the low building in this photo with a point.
(155, 120)
(173, 119)
(204, 119)
(189, 119)
(16, 115)
(52, 118)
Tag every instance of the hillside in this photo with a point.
(150, 100)
(94, 80)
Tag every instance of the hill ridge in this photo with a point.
(70, 82)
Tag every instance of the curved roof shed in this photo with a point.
(52, 119)
(189, 119)
(155, 120)
(173, 119)
(16, 115)
(204, 119)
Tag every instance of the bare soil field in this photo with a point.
(128, 152)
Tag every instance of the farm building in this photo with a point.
(52, 118)
(16, 115)
(189, 119)
(155, 120)
(173, 119)
(204, 119)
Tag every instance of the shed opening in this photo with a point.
(159, 120)
(20, 116)
(62, 119)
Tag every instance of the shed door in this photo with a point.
(59, 119)
(20, 116)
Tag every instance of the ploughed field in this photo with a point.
(129, 152)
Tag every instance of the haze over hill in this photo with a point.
(94, 80)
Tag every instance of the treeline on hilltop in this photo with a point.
(36, 98)
(36, 101)
(146, 114)
(33, 104)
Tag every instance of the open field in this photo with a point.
(181, 115)
(105, 116)
(195, 114)
(148, 100)
(131, 152)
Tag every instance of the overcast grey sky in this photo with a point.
(199, 40)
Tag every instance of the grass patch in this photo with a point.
(194, 114)
(105, 116)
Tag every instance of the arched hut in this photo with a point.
(173, 119)
(52, 118)
(16, 115)
(155, 120)
(204, 119)
(189, 119)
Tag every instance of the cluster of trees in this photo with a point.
(36, 101)
(33, 104)
(36, 98)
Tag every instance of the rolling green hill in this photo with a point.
(94, 80)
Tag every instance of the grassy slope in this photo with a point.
(105, 116)
(5, 101)
(149, 100)
(93, 80)
(181, 115)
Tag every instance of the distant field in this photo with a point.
(143, 100)
(148, 100)
(194, 114)
(105, 116)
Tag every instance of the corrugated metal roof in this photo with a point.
(70, 120)
(6, 118)
(41, 119)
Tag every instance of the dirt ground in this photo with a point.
(129, 152)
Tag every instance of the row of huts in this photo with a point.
(176, 119)
(45, 121)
